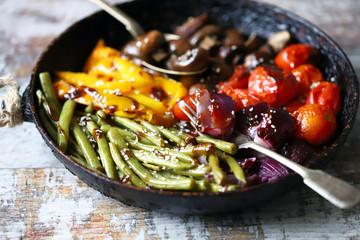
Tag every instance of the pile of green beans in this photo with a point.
(135, 151)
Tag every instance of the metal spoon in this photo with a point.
(136, 31)
(336, 191)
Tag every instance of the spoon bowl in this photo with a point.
(136, 31)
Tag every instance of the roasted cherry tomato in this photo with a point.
(242, 97)
(294, 105)
(327, 94)
(273, 85)
(307, 75)
(315, 123)
(240, 77)
(180, 104)
(296, 55)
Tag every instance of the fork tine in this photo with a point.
(191, 117)
(193, 101)
(190, 109)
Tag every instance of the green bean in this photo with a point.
(218, 174)
(104, 126)
(101, 114)
(202, 185)
(172, 175)
(164, 151)
(145, 174)
(161, 160)
(89, 108)
(88, 151)
(133, 136)
(197, 172)
(171, 136)
(47, 124)
(199, 149)
(227, 147)
(233, 164)
(169, 184)
(82, 161)
(104, 151)
(185, 136)
(140, 129)
(64, 124)
(219, 188)
(46, 119)
(152, 167)
(47, 87)
(149, 126)
(54, 118)
(123, 167)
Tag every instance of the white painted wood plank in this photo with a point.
(53, 204)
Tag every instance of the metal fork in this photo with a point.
(335, 190)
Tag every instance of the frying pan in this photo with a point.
(70, 50)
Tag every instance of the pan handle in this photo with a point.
(26, 105)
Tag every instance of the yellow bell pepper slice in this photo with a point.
(119, 86)
(174, 89)
(157, 106)
(109, 103)
(100, 52)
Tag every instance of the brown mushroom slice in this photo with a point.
(279, 40)
(146, 46)
(233, 37)
(263, 55)
(232, 47)
(217, 70)
(150, 42)
(191, 26)
(253, 43)
(179, 46)
(211, 30)
(193, 60)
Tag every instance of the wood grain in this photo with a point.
(40, 199)
(51, 203)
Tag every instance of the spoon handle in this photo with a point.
(336, 191)
(131, 25)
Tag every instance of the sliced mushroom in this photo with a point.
(279, 40)
(193, 60)
(191, 26)
(233, 37)
(150, 42)
(179, 47)
(263, 55)
(253, 42)
(210, 30)
(145, 46)
(232, 48)
(217, 71)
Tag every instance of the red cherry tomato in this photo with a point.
(294, 105)
(240, 77)
(327, 94)
(180, 104)
(315, 123)
(307, 75)
(273, 85)
(242, 97)
(296, 55)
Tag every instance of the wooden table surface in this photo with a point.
(40, 199)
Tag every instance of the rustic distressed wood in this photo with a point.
(40, 199)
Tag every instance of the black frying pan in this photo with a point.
(70, 50)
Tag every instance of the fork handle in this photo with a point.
(336, 191)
